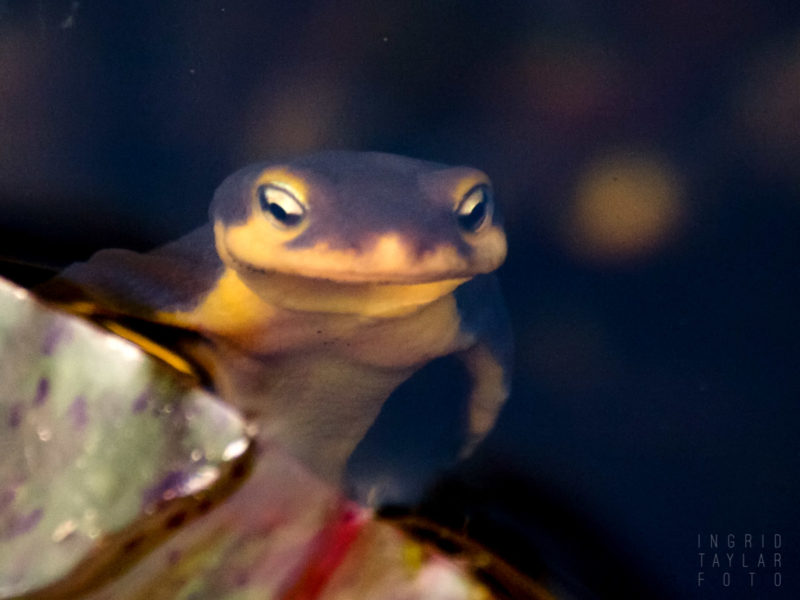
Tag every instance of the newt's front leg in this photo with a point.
(489, 359)
(489, 390)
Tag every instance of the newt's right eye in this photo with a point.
(475, 209)
(281, 206)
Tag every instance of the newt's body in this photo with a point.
(320, 285)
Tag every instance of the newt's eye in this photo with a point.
(475, 209)
(281, 205)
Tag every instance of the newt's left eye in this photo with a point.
(284, 209)
(475, 209)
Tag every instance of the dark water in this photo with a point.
(648, 158)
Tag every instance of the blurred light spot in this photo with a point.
(89, 523)
(200, 480)
(64, 530)
(438, 579)
(574, 84)
(44, 434)
(122, 348)
(69, 21)
(625, 208)
(559, 86)
(385, 490)
(767, 108)
(302, 114)
(235, 449)
(21, 100)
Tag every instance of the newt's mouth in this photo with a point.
(389, 260)
(372, 298)
(349, 279)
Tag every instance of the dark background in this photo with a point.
(647, 155)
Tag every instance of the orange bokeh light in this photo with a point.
(626, 207)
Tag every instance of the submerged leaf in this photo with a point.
(108, 457)
(99, 445)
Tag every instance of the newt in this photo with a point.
(318, 287)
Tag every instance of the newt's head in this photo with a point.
(356, 222)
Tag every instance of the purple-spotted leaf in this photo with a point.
(100, 446)
(121, 480)
(287, 535)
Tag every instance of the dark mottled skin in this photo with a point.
(165, 277)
